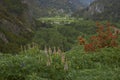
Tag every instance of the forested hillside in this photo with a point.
(15, 25)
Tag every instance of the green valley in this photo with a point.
(59, 40)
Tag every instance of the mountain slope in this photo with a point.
(86, 2)
(15, 25)
(104, 9)
(53, 7)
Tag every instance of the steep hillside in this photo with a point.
(15, 25)
(104, 9)
(86, 2)
(53, 7)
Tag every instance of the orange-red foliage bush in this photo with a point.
(81, 40)
(105, 38)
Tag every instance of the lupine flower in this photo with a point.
(62, 58)
(66, 66)
(54, 51)
(50, 51)
(45, 50)
(29, 46)
(59, 51)
(48, 62)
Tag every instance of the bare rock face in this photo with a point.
(42, 8)
(95, 8)
(104, 10)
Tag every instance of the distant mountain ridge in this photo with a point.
(104, 10)
(86, 2)
(56, 7)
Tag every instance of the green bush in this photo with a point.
(31, 65)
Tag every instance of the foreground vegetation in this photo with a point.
(35, 64)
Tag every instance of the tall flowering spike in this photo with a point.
(59, 51)
(45, 50)
(50, 59)
(48, 62)
(29, 46)
(50, 50)
(54, 51)
(66, 65)
(62, 58)
(33, 45)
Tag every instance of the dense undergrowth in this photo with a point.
(34, 64)
(62, 35)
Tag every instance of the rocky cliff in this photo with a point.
(104, 10)
(16, 25)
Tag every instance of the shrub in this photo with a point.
(105, 38)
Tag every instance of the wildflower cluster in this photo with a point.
(30, 48)
(56, 57)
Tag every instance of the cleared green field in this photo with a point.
(57, 19)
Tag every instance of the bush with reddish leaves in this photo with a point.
(105, 37)
(81, 40)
